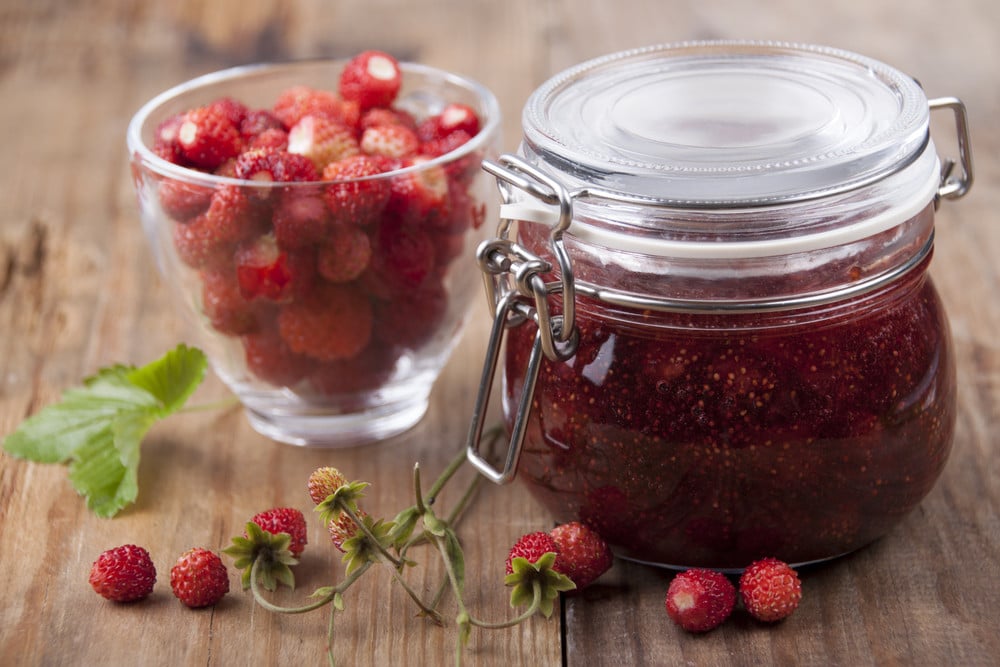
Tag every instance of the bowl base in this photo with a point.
(340, 430)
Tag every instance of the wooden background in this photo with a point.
(78, 290)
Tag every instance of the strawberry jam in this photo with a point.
(706, 440)
(718, 337)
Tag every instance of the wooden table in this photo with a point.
(78, 290)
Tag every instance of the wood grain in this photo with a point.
(78, 290)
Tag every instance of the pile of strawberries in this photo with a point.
(325, 266)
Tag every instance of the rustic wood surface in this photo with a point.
(78, 290)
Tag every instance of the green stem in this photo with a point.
(536, 602)
(326, 599)
(329, 636)
(424, 609)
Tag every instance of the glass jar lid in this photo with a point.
(728, 124)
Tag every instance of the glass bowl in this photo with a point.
(333, 334)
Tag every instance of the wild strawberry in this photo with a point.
(199, 578)
(372, 79)
(232, 109)
(123, 574)
(323, 140)
(226, 169)
(273, 139)
(300, 219)
(208, 138)
(269, 166)
(284, 520)
(403, 256)
(165, 143)
(324, 481)
(699, 600)
(264, 270)
(226, 309)
(412, 320)
(421, 195)
(531, 547)
(258, 121)
(349, 379)
(296, 102)
(270, 360)
(453, 118)
(770, 590)
(397, 141)
(210, 238)
(181, 200)
(344, 255)
(354, 197)
(386, 116)
(331, 322)
(444, 145)
(583, 554)
(343, 528)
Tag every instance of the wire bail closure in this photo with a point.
(953, 187)
(517, 291)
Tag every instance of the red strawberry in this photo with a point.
(403, 257)
(273, 139)
(583, 554)
(199, 578)
(257, 121)
(349, 379)
(699, 600)
(395, 141)
(232, 109)
(284, 520)
(372, 79)
(300, 219)
(210, 238)
(270, 166)
(123, 574)
(324, 481)
(208, 138)
(386, 116)
(322, 139)
(411, 321)
(264, 270)
(344, 255)
(226, 309)
(297, 102)
(531, 547)
(332, 322)
(354, 197)
(453, 118)
(165, 140)
(770, 590)
(270, 360)
(183, 201)
(420, 195)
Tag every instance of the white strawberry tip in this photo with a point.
(381, 68)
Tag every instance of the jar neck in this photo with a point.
(779, 282)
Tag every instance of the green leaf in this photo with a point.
(453, 550)
(173, 377)
(98, 427)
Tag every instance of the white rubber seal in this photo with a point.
(533, 210)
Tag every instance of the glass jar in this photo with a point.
(717, 333)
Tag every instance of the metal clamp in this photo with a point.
(516, 289)
(954, 187)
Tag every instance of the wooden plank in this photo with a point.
(78, 290)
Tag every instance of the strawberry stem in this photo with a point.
(325, 600)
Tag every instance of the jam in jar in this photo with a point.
(714, 322)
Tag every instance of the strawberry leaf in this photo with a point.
(98, 427)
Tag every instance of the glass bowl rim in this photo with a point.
(141, 153)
